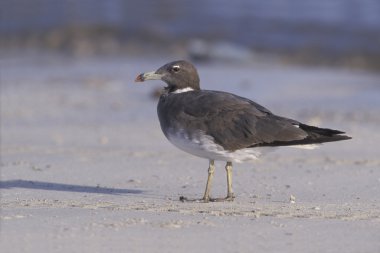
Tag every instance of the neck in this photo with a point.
(182, 90)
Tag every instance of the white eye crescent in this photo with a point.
(176, 68)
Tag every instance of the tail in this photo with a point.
(320, 135)
(315, 135)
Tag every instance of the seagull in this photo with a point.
(221, 126)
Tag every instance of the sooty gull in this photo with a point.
(222, 126)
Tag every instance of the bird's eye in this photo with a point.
(175, 68)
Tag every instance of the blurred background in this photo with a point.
(74, 61)
(78, 134)
(327, 32)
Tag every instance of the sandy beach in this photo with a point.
(86, 168)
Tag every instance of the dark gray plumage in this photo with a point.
(222, 126)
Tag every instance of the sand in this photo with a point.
(85, 167)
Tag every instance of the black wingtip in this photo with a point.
(316, 135)
(321, 135)
(323, 131)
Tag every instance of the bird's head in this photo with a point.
(178, 75)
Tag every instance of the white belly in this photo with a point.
(202, 145)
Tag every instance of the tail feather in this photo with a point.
(320, 131)
(316, 135)
(321, 135)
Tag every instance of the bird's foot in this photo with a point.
(185, 199)
(230, 197)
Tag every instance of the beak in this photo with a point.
(148, 76)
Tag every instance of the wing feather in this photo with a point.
(235, 122)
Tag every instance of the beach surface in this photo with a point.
(85, 167)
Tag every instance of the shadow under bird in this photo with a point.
(222, 126)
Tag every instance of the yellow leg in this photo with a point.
(206, 196)
(211, 169)
(230, 193)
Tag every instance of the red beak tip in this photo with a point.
(139, 78)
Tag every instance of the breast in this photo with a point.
(188, 132)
